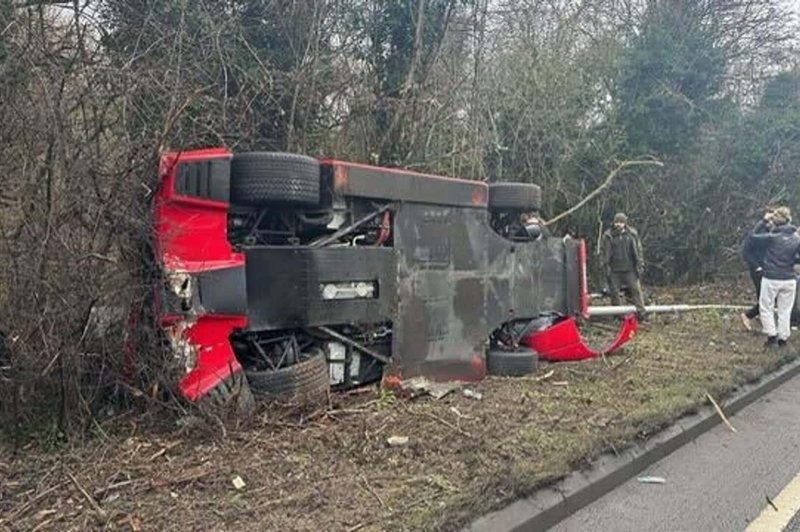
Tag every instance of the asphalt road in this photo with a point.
(720, 481)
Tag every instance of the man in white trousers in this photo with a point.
(779, 284)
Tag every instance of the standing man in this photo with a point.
(623, 262)
(753, 255)
(779, 284)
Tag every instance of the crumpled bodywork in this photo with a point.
(191, 208)
(563, 341)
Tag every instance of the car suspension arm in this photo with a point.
(353, 344)
(350, 228)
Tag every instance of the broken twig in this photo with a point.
(92, 502)
(446, 423)
(720, 412)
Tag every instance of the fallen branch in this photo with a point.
(445, 423)
(605, 184)
(92, 502)
(721, 414)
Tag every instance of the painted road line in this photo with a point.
(780, 511)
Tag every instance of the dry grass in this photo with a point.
(333, 470)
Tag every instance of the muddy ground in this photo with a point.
(333, 469)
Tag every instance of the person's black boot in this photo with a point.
(772, 341)
(781, 343)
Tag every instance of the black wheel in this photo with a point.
(512, 363)
(515, 196)
(262, 178)
(232, 394)
(306, 381)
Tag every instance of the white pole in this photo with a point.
(657, 309)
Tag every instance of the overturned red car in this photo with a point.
(285, 275)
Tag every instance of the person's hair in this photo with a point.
(782, 215)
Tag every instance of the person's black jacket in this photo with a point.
(753, 249)
(782, 251)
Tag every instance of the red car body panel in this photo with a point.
(191, 237)
(563, 341)
(191, 233)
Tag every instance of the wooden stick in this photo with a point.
(721, 414)
(446, 423)
(92, 502)
(372, 491)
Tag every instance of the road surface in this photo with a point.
(747, 480)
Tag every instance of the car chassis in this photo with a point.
(302, 274)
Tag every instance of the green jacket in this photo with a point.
(622, 251)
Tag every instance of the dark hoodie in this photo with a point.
(753, 249)
(782, 251)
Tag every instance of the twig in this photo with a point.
(603, 186)
(621, 362)
(721, 414)
(771, 503)
(446, 423)
(92, 502)
(188, 477)
(117, 485)
(372, 491)
(166, 448)
(545, 376)
(46, 523)
(27, 506)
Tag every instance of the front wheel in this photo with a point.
(306, 381)
(515, 197)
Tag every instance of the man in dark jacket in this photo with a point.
(753, 255)
(623, 262)
(779, 284)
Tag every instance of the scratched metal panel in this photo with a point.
(458, 281)
(440, 328)
(538, 278)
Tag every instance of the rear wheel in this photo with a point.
(512, 363)
(264, 178)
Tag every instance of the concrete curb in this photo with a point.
(550, 505)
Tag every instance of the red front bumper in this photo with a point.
(191, 238)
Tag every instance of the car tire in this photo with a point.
(515, 196)
(232, 394)
(512, 363)
(266, 178)
(304, 382)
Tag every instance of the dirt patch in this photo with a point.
(334, 470)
